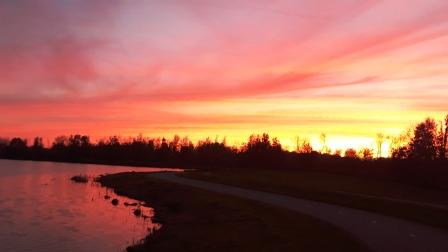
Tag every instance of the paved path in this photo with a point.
(378, 232)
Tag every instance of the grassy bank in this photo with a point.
(197, 220)
(409, 202)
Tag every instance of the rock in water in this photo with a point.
(138, 212)
(114, 202)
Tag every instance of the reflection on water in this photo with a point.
(41, 209)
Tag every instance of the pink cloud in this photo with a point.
(73, 63)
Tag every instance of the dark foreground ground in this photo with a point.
(197, 220)
(423, 205)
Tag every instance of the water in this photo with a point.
(41, 209)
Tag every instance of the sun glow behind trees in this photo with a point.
(227, 68)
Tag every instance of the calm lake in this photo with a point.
(41, 209)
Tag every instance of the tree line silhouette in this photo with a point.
(417, 156)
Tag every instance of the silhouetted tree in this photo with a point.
(379, 144)
(337, 152)
(445, 139)
(175, 144)
(38, 143)
(186, 145)
(17, 148)
(151, 145)
(60, 142)
(163, 150)
(18, 143)
(258, 144)
(85, 141)
(426, 142)
(303, 146)
(37, 149)
(186, 151)
(164, 145)
(323, 140)
(74, 141)
(423, 144)
(350, 153)
(401, 152)
(259, 151)
(214, 154)
(138, 149)
(276, 145)
(78, 147)
(400, 145)
(442, 139)
(4, 142)
(366, 153)
(114, 141)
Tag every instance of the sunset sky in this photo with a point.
(228, 68)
